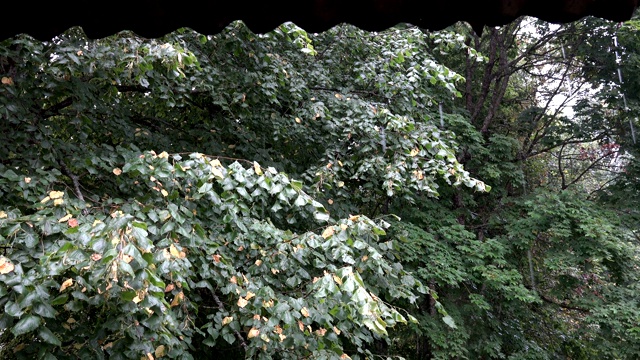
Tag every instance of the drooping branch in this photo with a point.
(76, 183)
(236, 332)
(567, 142)
(562, 305)
(591, 166)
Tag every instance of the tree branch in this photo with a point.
(562, 305)
(237, 333)
(76, 183)
(560, 170)
(596, 161)
(54, 109)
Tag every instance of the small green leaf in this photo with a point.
(300, 201)
(60, 299)
(13, 309)
(449, 321)
(26, 324)
(47, 336)
(321, 216)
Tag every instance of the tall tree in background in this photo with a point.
(537, 268)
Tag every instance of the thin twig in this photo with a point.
(76, 184)
(238, 335)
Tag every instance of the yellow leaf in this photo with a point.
(340, 183)
(27, 180)
(337, 279)
(321, 331)
(300, 325)
(304, 312)
(5, 266)
(176, 300)
(253, 333)
(242, 302)
(282, 337)
(174, 251)
(216, 172)
(55, 194)
(256, 168)
(127, 258)
(45, 200)
(258, 262)
(7, 81)
(160, 350)
(298, 120)
(149, 356)
(57, 202)
(233, 280)
(327, 232)
(163, 155)
(164, 192)
(267, 304)
(414, 152)
(336, 330)
(365, 257)
(249, 295)
(66, 284)
(136, 299)
(169, 287)
(117, 171)
(65, 218)
(227, 320)
(343, 226)
(216, 258)
(330, 201)
(3, 215)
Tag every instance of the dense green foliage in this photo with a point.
(337, 195)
